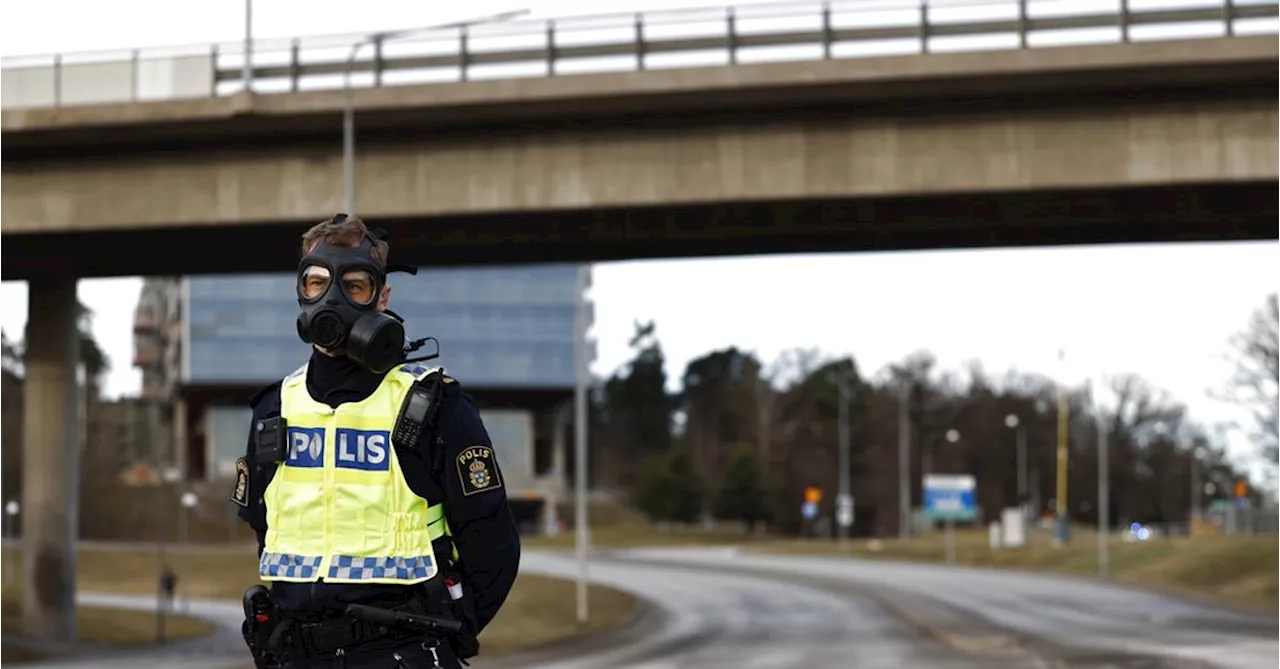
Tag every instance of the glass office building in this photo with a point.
(505, 327)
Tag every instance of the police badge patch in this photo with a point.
(478, 471)
(241, 494)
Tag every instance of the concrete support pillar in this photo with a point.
(51, 460)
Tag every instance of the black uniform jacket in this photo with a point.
(484, 530)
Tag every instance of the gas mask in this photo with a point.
(338, 291)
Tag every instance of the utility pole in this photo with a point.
(764, 407)
(247, 71)
(904, 460)
(844, 515)
(580, 375)
(1033, 470)
(349, 101)
(1194, 516)
(1020, 458)
(4, 521)
(1022, 464)
(1104, 499)
(1060, 510)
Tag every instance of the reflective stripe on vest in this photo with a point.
(338, 507)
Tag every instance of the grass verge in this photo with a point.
(99, 626)
(542, 611)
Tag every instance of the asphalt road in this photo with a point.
(720, 608)
(856, 613)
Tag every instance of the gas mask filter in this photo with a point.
(338, 292)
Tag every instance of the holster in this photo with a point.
(261, 622)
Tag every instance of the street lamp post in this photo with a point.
(952, 437)
(10, 513)
(188, 502)
(246, 72)
(844, 502)
(349, 105)
(1011, 421)
(926, 454)
(581, 378)
(1104, 499)
(4, 518)
(904, 460)
(1060, 506)
(1033, 468)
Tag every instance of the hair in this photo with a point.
(342, 230)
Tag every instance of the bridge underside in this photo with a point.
(1186, 212)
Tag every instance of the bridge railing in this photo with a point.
(620, 42)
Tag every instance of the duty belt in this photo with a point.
(326, 638)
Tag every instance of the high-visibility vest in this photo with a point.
(338, 507)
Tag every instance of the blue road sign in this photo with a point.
(948, 497)
(809, 510)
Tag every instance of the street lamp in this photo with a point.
(188, 502)
(844, 500)
(247, 68)
(349, 107)
(1062, 526)
(904, 459)
(1033, 466)
(581, 381)
(926, 449)
(10, 512)
(1011, 421)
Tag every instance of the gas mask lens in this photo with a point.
(313, 282)
(359, 286)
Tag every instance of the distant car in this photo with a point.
(1138, 532)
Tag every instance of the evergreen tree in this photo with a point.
(687, 491)
(669, 490)
(743, 497)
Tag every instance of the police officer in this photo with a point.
(352, 502)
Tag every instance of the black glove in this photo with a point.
(465, 644)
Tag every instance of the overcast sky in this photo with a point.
(1164, 311)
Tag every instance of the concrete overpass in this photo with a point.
(1131, 141)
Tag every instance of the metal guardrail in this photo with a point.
(631, 42)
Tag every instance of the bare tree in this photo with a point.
(1257, 373)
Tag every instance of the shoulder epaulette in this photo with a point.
(257, 397)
